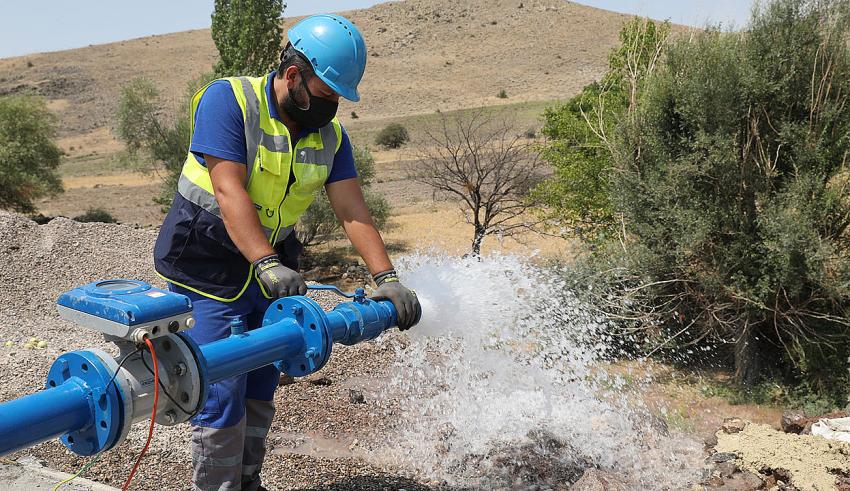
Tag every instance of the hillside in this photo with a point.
(423, 55)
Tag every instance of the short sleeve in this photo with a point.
(343, 161)
(219, 126)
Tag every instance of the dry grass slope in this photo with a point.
(424, 55)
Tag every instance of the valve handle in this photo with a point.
(358, 295)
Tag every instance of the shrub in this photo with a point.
(247, 35)
(577, 132)
(96, 215)
(28, 154)
(732, 190)
(502, 94)
(319, 225)
(155, 144)
(394, 135)
(354, 115)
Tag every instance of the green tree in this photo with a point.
(155, 143)
(578, 132)
(247, 34)
(28, 155)
(319, 225)
(98, 215)
(732, 182)
(393, 135)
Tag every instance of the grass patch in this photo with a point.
(811, 401)
(523, 115)
(94, 165)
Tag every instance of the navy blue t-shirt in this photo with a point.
(220, 131)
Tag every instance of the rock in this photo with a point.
(721, 457)
(710, 441)
(727, 468)
(714, 482)
(598, 480)
(356, 397)
(733, 425)
(743, 481)
(793, 421)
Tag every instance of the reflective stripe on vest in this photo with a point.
(270, 162)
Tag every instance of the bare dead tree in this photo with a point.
(482, 161)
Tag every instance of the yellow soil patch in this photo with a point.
(100, 141)
(130, 179)
(442, 226)
(812, 462)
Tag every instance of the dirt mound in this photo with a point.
(424, 55)
(803, 461)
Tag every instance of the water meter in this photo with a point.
(127, 309)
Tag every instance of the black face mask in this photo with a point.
(318, 113)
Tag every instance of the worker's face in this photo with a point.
(308, 101)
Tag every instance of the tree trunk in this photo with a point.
(477, 240)
(747, 357)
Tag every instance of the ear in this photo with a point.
(292, 77)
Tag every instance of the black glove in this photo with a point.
(277, 279)
(405, 301)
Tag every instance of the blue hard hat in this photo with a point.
(335, 48)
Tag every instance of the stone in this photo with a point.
(793, 421)
(356, 396)
(733, 425)
(714, 482)
(744, 481)
(721, 457)
(598, 480)
(727, 469)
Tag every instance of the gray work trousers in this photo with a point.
(230, 459)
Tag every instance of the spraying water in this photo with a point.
(504, 385)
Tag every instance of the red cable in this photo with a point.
(153, 415)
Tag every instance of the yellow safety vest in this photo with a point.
(271, 158)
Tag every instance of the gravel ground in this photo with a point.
(326, 423)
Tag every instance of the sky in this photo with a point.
(54, 25)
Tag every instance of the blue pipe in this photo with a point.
(356, 322)
(87, 409)
(44, 415)
(241, 353)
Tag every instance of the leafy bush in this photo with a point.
(319, 225)
(502, 94)
(577, 132)
(394, 135)
(156, 144)
(733, 192)
(28, 154)
(96, 215)
(247, 35)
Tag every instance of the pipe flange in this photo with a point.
(105, 400)
(176, 356)
(315, 332)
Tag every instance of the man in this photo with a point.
(261, 148)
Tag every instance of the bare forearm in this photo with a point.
(350, 208)
(369, 244)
